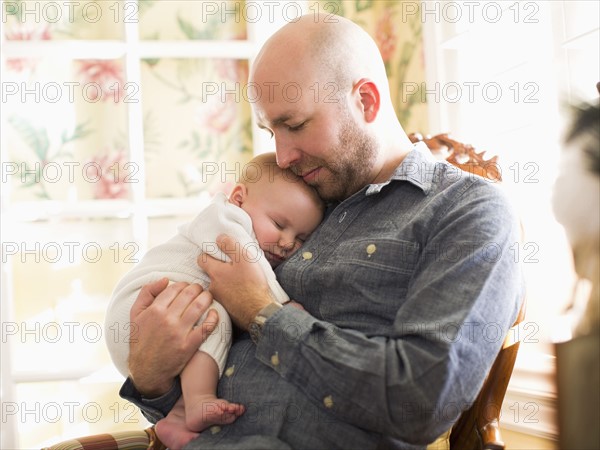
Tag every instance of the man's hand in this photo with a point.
(163, 333)
(239, 285)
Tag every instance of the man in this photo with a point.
(408, 286)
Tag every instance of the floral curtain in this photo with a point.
(68, 134)
(73, 218)
(73, 212)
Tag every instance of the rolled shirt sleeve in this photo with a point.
(153, 409)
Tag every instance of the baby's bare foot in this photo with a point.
(210, 410)
(172, 430)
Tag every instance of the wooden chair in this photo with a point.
(477, 428)
(461, 155)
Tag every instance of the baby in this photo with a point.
(270, 212)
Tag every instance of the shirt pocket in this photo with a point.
(368, 280)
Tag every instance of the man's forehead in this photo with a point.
(279, 72)
(275, 112)
(281, 101)
(275, 120)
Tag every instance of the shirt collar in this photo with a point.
(416, 168)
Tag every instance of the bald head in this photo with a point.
(323, 48)
(325, 99)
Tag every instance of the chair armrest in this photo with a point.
(490, 436)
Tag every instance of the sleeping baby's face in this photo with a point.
(284, 213)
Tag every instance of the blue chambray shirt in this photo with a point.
(409, 289)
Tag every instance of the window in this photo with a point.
(497, 75)
(119, 119)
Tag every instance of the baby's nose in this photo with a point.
(286, 244)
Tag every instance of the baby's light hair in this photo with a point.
(263, 168)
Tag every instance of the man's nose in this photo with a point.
(287, 154)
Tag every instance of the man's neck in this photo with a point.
(393, 160)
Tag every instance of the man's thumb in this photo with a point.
(147, 295)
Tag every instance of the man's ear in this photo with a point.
(369, 98)
(238, 194)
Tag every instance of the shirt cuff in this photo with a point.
(153, 409)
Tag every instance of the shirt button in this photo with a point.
(371, 248)
(229, 371)
(275, 359)
(342, 217)
(215, 429)
(307, 255)
(328, 402)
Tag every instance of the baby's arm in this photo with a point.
(175, 260)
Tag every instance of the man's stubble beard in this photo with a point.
(355, 158)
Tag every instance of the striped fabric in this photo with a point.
(147, 440)
(442, 442)
(125, 440)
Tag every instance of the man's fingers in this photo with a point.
(211, 321)
(184, 298)
(147, 295)
(156, 287)
(204, 260)
(228, 245)
(200, 333)
(196, 308)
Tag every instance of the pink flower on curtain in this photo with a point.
(110, 176)
(107, 75)
(26, 33)
(386, 36)
(216, 115)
